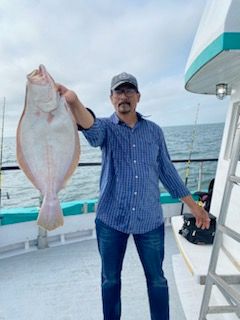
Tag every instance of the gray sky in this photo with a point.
(83, 44)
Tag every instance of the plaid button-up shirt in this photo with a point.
(133, 162)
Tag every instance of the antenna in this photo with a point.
(1, 151)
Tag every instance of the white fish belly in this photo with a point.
(48, 151)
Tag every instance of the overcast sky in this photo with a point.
(83, 44)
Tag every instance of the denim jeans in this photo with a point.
(150, 247)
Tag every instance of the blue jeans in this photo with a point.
(150, 246)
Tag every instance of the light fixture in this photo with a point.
(221, 90)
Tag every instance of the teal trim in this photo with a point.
(17, 215)
(226, 41)
(166, 198)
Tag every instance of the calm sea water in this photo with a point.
(17, 191)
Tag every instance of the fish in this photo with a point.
(47, 144)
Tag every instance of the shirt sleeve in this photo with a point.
(168, 174)
(96, 134)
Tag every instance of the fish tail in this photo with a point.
(50, 215)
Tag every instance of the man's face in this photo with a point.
(124, 99)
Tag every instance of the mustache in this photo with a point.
(123, 102)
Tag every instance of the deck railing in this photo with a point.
(187, 162)
(91, 203)
(87, 164)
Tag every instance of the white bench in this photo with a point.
(197, 257)
(189, 284)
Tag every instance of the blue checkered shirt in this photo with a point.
(133, 162)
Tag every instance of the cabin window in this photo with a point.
(235, 121)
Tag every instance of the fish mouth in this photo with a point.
(39, 76)
(42, 69)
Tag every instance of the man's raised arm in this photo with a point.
(82, 116)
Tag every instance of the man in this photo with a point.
(134, 159)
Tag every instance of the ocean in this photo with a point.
(17, 191)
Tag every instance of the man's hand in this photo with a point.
(81, 115)
(201, 215)
(69, 95)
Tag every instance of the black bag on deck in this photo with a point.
(194, 234)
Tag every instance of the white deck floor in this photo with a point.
(63, 283)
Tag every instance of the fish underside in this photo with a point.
(48, 147)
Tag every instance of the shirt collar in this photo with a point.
(114, 118)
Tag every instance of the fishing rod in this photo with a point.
(1, 151)
(190, 152)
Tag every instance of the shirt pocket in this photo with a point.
(148, 152)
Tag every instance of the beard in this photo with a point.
(124, 108)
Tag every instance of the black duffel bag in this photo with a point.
(197, 235)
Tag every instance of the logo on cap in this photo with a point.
(122, 78)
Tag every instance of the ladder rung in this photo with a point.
(229, 232)
(226, 289)
(234, 179)
(222, 309)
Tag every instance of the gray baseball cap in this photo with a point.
(122, 78)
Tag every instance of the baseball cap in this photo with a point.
(122, 78)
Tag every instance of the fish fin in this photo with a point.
(75, 159)
(50, 215)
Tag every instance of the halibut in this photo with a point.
(48, 147)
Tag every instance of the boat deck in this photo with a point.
(63, 283)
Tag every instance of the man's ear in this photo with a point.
(139, 96)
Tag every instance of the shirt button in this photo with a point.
(135, 193)
(136, 177)
(133, 209)
(135, 161)
(134, 145)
